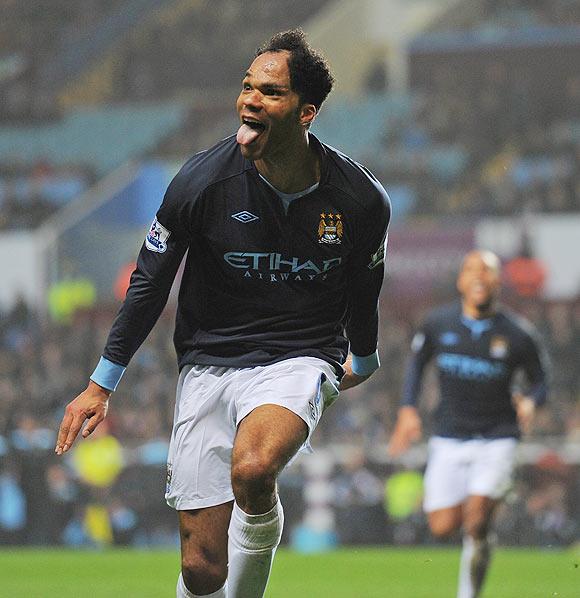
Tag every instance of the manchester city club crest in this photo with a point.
(330, 228)
(499, 347)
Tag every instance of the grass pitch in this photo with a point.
(345, 573)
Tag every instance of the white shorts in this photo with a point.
(211, 401)
(458, 468)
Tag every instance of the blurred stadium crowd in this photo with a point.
(446, 148)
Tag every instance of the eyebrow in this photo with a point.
(268, 85)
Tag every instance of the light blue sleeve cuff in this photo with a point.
(365, 366)
(108, 374)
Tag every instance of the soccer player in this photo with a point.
(477, 350)
(285, 238)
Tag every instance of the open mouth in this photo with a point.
(255, 125)
(249, 131)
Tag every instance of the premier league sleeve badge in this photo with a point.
(156, 239)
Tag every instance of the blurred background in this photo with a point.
(468, 111)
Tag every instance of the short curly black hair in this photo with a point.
(310, 75)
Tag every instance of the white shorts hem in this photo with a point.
(187, 504)
(431, 507)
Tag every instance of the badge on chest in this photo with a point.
(498, 347)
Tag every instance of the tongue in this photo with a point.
(246, 135)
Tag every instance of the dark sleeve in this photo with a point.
(421, 352)
(536, 366)
(158, 262)
(366, 277)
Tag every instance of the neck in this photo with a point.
(478, 312)
(295, 170)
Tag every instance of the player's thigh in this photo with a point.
(492, 469)
(446, 475)
(267, 438)
(299, 389)
(204, 537)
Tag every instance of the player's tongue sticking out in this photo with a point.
(246, 135)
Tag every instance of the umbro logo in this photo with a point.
(244, 216)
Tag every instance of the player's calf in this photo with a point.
(204, 551)
(203, 572)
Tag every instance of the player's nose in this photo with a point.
(252, 100)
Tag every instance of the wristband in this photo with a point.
(365, 366)
(108, 374)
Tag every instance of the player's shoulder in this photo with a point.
(355, 180)
(211, 166)
(446, 315)
(517, 324)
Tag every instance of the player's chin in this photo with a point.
(257, 149)
(482, 302)
(254, 151)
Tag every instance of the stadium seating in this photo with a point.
(115, 133)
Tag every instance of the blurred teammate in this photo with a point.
(477, 349)
(285, 240)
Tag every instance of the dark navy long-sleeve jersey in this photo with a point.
(261, 283)
(476, 361)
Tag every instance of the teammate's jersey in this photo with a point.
(261, 282)
(476, 362)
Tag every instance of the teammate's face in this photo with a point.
(479, 280)
(269, 107)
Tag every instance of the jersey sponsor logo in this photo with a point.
(274, 267)
(378, 257)
(470, 368)
(156, 239)
(245, 216)
(449, 338)
(330, 228)
(499, 347)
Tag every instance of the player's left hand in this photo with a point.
(350, 379)
(525, 410)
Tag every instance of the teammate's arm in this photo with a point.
(408, 428)
(536, 367)
(364, 286)
(147, 295)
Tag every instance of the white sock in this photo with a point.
(253, 540)
(475, 558)
(183, 592)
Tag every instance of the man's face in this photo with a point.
(270, 112)
(479, 279)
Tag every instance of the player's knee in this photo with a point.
(203, 573)
(443, 527)
(253, 475)
(476, 525)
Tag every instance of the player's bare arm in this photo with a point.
(408, 430)
(91, 406)
(526, 410)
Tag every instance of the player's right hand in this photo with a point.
(408, 429)
(91, 405)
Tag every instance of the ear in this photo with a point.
(308, 113)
